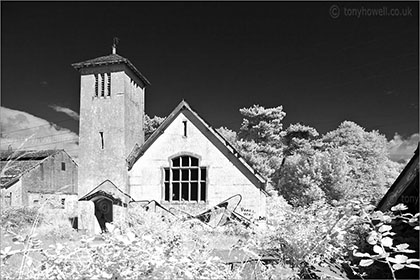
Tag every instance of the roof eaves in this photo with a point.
(118, 60)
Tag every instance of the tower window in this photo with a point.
(96, 85)
(185, 180)
(102, 139)
(102, 84)
(109, 84)
(63, 166)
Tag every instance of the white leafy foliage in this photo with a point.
(366, 262)
(373, 238)
(402, 246)
(384, 228)
(378, 250)
(397, 266)
(399, 207)
(411, 265)
(398, 259)
(361, 255)
(387, 241)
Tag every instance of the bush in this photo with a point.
(389, 244)
(18, 218)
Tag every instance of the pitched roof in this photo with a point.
(111, 59)
(212, 135)
(14, 164)
(26, 155)
(110, 190)
(407, 183)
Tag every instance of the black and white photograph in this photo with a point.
(209, 140)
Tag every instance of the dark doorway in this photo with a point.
(103, 211)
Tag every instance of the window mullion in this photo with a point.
(170, 184)
(199, 185)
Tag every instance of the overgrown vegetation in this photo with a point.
(319, 241)
(321, 222)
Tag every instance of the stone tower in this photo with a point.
(111, 119)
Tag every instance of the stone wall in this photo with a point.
(49, 177)
(118, 117)
(13, 195)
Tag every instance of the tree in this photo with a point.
(264, 126)
(151, 124)
(367, 160)
(312, 174)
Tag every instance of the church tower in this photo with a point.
(111, 119)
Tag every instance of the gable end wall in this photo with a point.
(223, 177)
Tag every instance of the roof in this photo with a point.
(212, 135)
(110, 190)
(26, 155)
(111, 59)
(14, 164)
(406, 184)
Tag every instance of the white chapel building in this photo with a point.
(184, 162)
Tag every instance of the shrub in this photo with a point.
(18, 218)
(389, 243)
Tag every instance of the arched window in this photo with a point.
(185, 180)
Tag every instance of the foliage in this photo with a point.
(308, 239)
(391, 240)
(56, 226)
(322, 176)
(151, 124)
(298, 137)
(366, 154)
(18, 218)
(229, 135)
(346, 163)
(259, 138)
(262, 125)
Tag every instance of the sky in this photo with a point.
(324, 62)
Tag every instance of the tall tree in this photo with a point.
(366, 153)
(261, 125)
